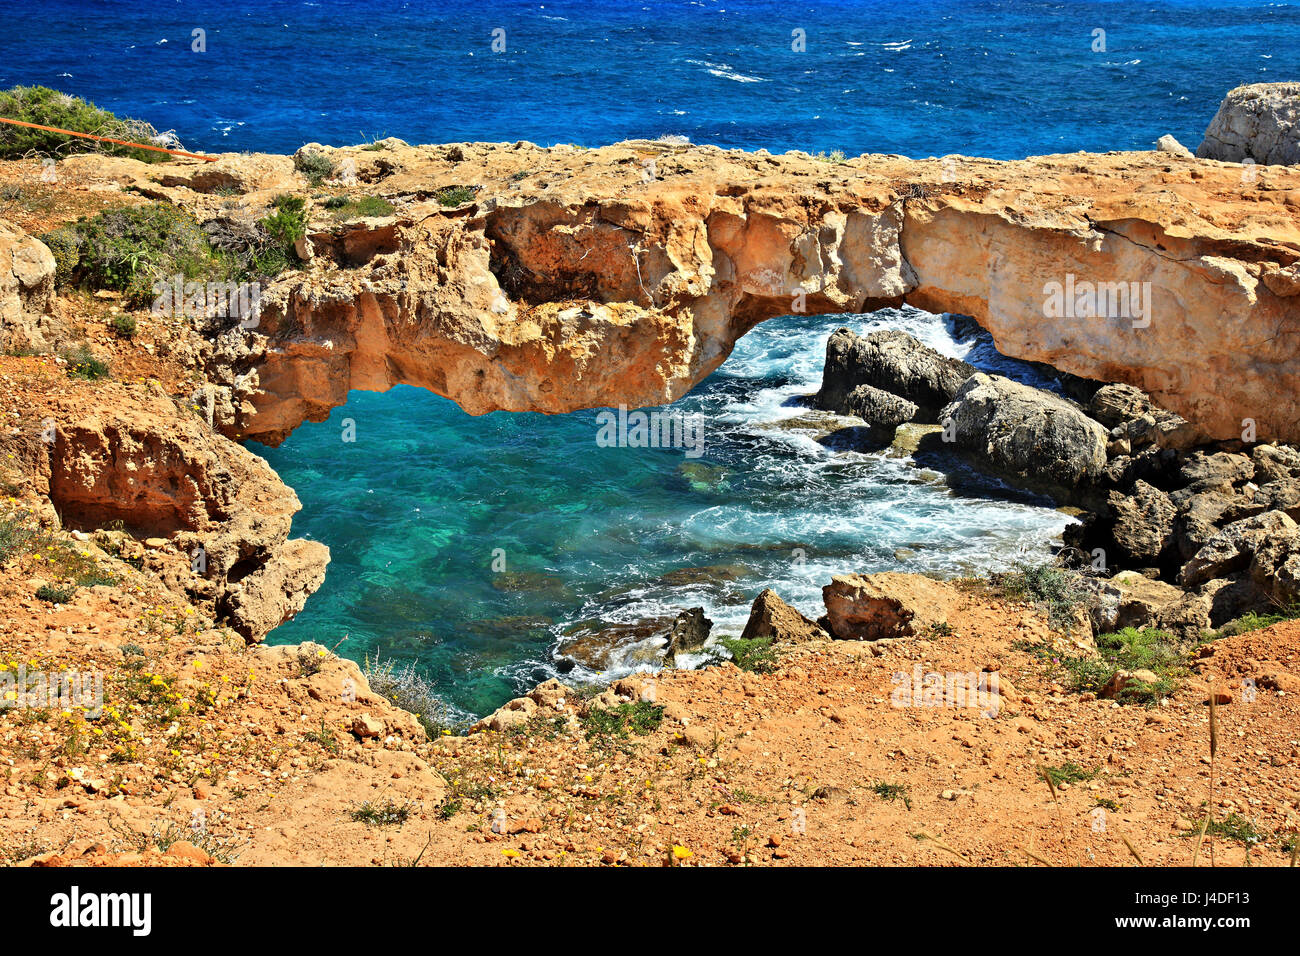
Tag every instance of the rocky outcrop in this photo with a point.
(26, 292)
(688, 634)
(1259, 122)
(1030, 437)
(579, 278)
(890, 605)
(770, 617)
(160, 471)
(888, 361)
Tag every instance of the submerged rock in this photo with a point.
(891, 361)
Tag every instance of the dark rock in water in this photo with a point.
(688, 633)
(881, 410)
(892, 361)
(1143, 522)
(1028, 437)
(709, 574)
(1220, 466)
(1233, 548)
(772, 617)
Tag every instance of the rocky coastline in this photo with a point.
(141, 538)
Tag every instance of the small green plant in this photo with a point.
(1254, 621)
(345, 208)
(16, 538)
(408, 688)
(1057, 592)
(385, 814)
(756, 655)
(83, 363)
(456, 195)
(1235, 827)
(640, 718)
(124, 325)
(1070, 773)
(835, 157)
(56, 594)
(315, 165)
(892, 791)
(940, 629)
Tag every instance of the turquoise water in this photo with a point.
(599, 543)
(500, 550)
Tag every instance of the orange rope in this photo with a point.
(105, 139)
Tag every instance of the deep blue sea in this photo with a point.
(601, 545)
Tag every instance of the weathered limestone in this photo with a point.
(1259, 122)
(579, 278)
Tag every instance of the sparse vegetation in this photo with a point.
(409, 689)
(382, 814)
(756, 655)
(1070, 773)
(40, 104)
(315, 165)
(83, 363)
(454, 196)
(56, 594)
(123, 325)
(1057, 592)
(345, 208)
(892, 791)
(639, 718)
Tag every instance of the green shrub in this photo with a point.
(16, 538)
(757, 655)
(124, 325)
(60, 594)
(1130, 649)
(456, 195)
(40, 104)
(345, 207)
(83, 363)
(315, 165)
(288, 223)
(130, 249)
(640, 718)
(1055, 591)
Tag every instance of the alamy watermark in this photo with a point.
(176, 298)
(1074, 299)
(39, 690)
(953, 689)
(653, 429)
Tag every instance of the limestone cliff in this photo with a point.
(577, 278)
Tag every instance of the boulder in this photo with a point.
(26, 291)
(1199, 517)
(1143, 602)
(1259, 122)
(772, 617)
(1282, 494)
(1219, 466)
(1143, 522)
(1028, 437)
(1275, 461)
(881, 410)
(689, 632)
(1170, 145)
(1115, 404)
(892, 361)
(872, 607)
(1275, 569)
(1233, 548)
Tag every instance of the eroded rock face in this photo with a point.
(134, 459)
(584, 278)
(1260, 122)
(26, 291)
